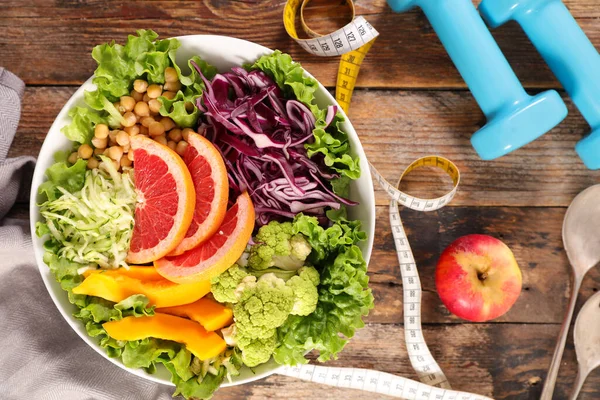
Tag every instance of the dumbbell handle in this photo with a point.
(475, 54)
(569, 54)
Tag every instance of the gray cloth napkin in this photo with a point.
(40, 355)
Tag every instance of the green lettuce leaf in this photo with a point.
(185, 99)
(119, 66)
(330, 241)
(83, 121)
(344, 294)
(331, 141)
(344, 298)
(177, 111)
(70, 178)
(194, 387)
(142, 56)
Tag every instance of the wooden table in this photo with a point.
(410, 102)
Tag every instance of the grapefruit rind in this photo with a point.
(218, 205)
(173, 268)
(184, 187)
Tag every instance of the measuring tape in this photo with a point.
(352, 42)
(375, 382)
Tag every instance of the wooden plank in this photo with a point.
(65, 32)
(503, 361)
(408, 125)
(181, 9)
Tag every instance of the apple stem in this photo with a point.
(482, 276)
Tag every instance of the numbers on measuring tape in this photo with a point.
(423, 362)
(375, 382)
(352, 42)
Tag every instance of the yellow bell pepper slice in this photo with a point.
(210, 314)
(161, 293)
(197, 340)
(136, 272)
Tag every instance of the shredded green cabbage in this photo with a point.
(94, 225)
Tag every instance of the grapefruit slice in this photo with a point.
(165, 200)
(219, 252)
(209, 174)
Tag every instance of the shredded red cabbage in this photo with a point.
(261, 136)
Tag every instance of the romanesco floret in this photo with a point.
(304, 286)
(223, 287)
(263, 306)
(256, 351)
(278, 246)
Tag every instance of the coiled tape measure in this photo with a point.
(352, 42)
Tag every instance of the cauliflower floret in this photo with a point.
(256, 351)
(304, 286)
(263, 306)
(223, 287)
(278, 246)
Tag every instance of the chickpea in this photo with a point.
(175, 135)
(129, 119)
(132, 130)
(156, 129)
(173, 86)
(172, 145)
(112, 138)
(137, 96)
(146, 121)
(115, 153)
(154, 106)
(144, 130)
(126, 147)
(122, 138)
(98, 151)
(167, 123)
(119, 107)
(146, 98)
(72, 158)
(140, 86)
(186, 133)
(141, 109)
(130, 155)
(99, 143)
(181, 148)
(162, 139)
(128, 102)
(101, 131)
(189, 107)
(85, 151)
(125, 162)
(171, 74)
(154, 91)
(92, 163)
(169, 95)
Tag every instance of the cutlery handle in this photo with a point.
(560, 345)
(581, 376)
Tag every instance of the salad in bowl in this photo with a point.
(201, 214)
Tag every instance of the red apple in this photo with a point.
(478, 278)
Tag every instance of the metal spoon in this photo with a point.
(581, 239)
(587, 341)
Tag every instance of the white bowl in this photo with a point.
(224, 53)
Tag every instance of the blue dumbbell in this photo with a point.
(568, 52)
(514, 117)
